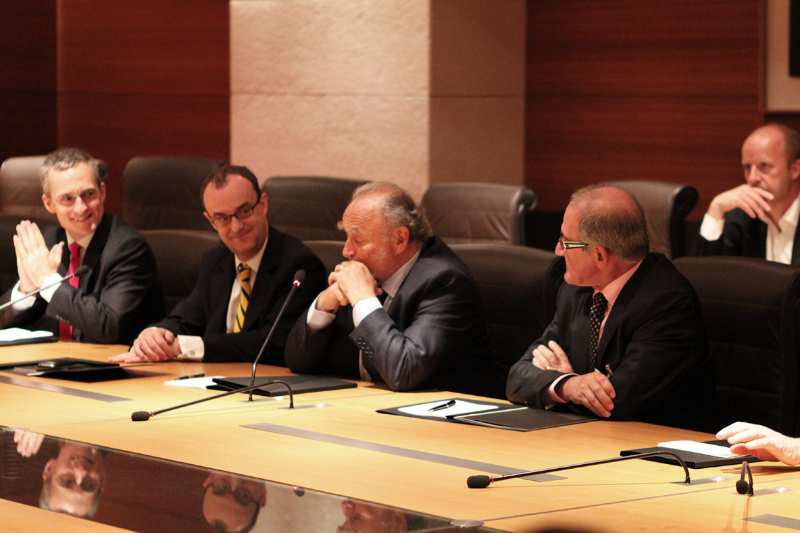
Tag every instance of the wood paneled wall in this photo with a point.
(143, 77)
(27, 78)
(624, 89)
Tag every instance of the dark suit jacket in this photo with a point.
(203, 313)
(743, 236)
(434, 333)
(654, 342)
(113, 302)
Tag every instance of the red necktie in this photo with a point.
(64, 329)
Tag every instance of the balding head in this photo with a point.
(610, 217)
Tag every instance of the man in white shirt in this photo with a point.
(759, 218)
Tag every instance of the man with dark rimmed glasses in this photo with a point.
(627, 341)
(241, 286)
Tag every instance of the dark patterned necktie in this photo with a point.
(598, 310)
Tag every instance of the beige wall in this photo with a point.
(395, 90)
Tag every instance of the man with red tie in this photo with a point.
(120, 292)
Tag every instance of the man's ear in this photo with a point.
(794, 169)
(400, 238)
(600, 256)
(48, 204)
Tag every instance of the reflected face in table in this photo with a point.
(232, 502)
(74, 480)
(360, 517)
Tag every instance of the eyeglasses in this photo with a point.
(244, 212)
(87, 196)
(243, 496)
(569, 245)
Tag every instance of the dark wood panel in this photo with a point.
(118, 127)
(144, 46)
(28, 46)
(28, 124)
(657, 47)
(576, 141)
(27, 77)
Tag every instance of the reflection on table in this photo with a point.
(145, 494)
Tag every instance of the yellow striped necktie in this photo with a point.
(244, 299)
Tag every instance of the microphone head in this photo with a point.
(81, 271)
(478, 482)
(299, 277)
(140, 416)
(742, 487)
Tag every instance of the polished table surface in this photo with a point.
(335, 442)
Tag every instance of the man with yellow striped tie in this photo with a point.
(242, 283)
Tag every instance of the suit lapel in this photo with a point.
(95, 249)
(265, 278)
(620, 307)
(220, 285)
(796, 248)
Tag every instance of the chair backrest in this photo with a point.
(178, 254)
(20, 199)
(478, 212)
(750, 309)
(329, 252)
(21, 190)
(666, 206)
(518, 286)
(309, 207)
(163, 192)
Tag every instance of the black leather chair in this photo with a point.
(329, 252)
(163, 192)
(750, 308)
(479, 212)
(178, 254)
(519, 286)
(20, 199)
(309, 207)
(666, 206)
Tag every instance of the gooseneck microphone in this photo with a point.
(742, 486)
(299, 278)
(78, 273)
(140, 416)
(480, 482)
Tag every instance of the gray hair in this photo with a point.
(618, 226)
(67, 158)
(399, 209)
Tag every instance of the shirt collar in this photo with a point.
(391, 285)
(255, 261)
(612, 290)
(789, 218)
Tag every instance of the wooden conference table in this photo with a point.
(336, 442)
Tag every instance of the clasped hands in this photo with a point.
(593, 390)
(34, 261)
(349, 283)
(152, 344)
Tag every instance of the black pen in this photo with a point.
(191, 377)
(445, 405)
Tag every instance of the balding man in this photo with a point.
(627, 341)
(759, 218)
(403, 308)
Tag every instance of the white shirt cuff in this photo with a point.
(22, 304)
(365, 307)
(317, 319)
(192, 348)
(711, 228)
